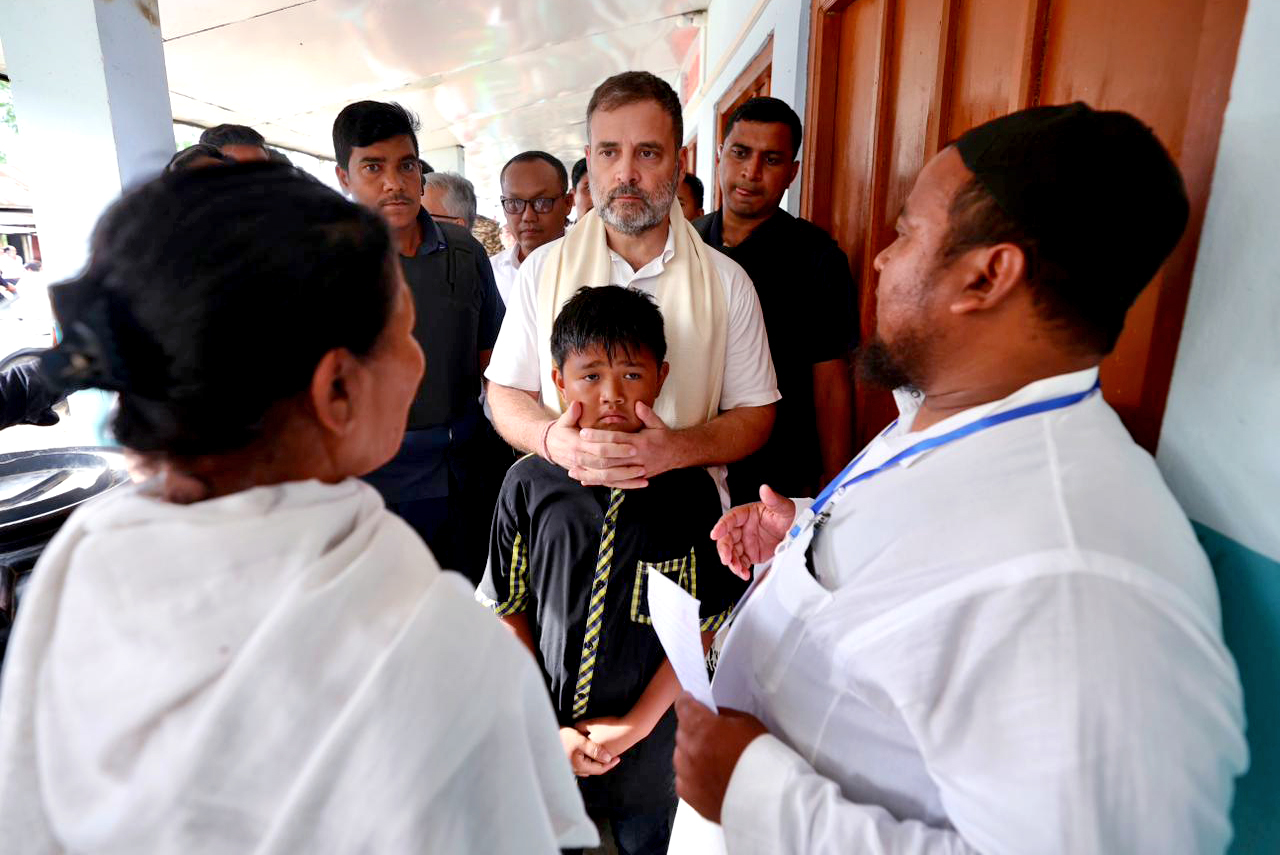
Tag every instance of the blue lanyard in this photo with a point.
(936, 442)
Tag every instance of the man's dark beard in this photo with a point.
(895, 367)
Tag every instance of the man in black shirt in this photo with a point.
(437, 480)
(26, 398)
(569, 566)
(806, 294)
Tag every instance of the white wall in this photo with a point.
(1220, 443)
(449, 159)
(92, 102)
(736, 30)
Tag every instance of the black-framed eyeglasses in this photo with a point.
(541, 205)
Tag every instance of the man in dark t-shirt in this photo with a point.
(806, 295)
(437, 481)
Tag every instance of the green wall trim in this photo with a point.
(1249, 585)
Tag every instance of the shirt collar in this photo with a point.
(1040, 390)
(668, 253)
(510, 257)
(432, 235)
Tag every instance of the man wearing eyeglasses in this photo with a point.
(535, 201)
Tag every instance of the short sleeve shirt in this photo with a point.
(749, 379)
(459, 313)
(806, 293)
(545, 562)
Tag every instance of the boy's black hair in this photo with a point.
(695, 187)
(367, 122)
(768, 111)
(611, 317)
(220, 135)
(579, 170)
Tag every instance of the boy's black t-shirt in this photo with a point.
(544, 551)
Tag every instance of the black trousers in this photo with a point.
(456, 526)
(639, 833)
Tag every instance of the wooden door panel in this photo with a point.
(892, 80)
(1130, 55)
(987, 63)
(853, 137)
(858, 143)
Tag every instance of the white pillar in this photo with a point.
(92, 101)
(448, 159)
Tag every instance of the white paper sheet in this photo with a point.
(675, 618)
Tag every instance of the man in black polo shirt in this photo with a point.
(436, 482)
(806, 294)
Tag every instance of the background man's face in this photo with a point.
(433, 200)
(533, 180)
(635, 165)
(756, 167)
(244, 153)
(385, 177)
(582, 197)
(688, 204)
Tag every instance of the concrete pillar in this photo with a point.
(449, 159)
(92, 101)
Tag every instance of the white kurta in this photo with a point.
(281, 670)
(1012, 645)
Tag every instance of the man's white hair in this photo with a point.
(459, 195)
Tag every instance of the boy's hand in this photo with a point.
(586, 757)
(615, 735)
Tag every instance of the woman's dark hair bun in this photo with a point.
(211, 295)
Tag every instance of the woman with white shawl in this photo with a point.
(247, 652)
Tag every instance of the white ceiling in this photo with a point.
(495, 76)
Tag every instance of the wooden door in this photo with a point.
(892, 81)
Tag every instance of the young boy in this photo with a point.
(568, 570)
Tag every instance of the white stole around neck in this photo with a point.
(689, 294)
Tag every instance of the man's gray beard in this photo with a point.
(653, 209)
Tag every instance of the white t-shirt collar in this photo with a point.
(1039, 390)
(657, 265)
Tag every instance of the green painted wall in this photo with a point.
(1249, 584)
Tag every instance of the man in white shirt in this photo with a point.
(11, 268)
(535, 201)
(635, 163)
(999, 634)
